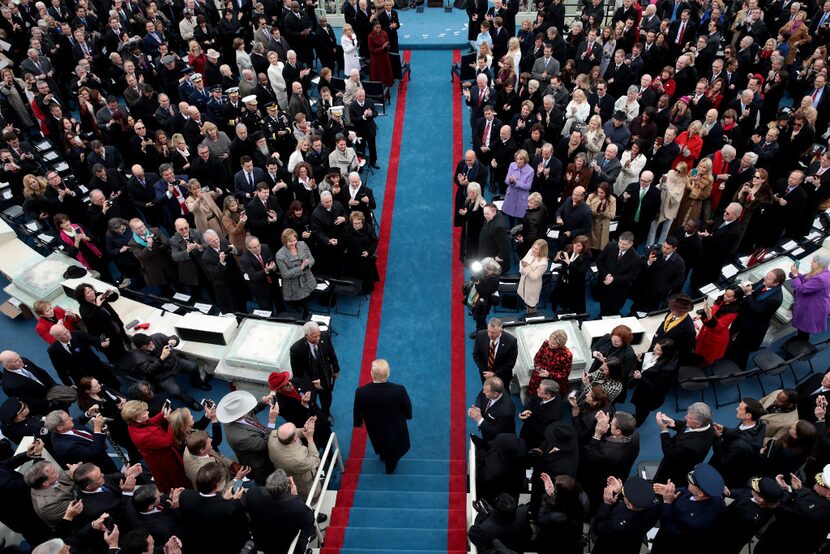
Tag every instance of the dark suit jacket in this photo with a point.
(258, 223)
(658, 280)
(477, 107)
(682, 452)
(363, 127)
(384, 408)
(494, 240)
(243, 189)
(257, 278)
(755, 313)
(71, 367)
(624, 270)
(71, 449)
(660, 161)
(275, 521)
(606, 105)
(305, 366)
(806, 398)
(506, 355)
(533, 428)
(212, 524)
(648, 211)
(500, 418)
(683, 334)
(27, 390)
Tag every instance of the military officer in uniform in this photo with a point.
(625, 516)
(231, 111)
(750, 510)
(278, 132)
(689, 514)
(250, 114)
(803, 517)
(215, 106)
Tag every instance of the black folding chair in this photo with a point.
(770, 364)
(727, 372)
(690, 378)
(376, 92)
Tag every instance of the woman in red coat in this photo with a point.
(713, 337)
(157, 445)
(48, 316)
(380, 68)
(690, 143)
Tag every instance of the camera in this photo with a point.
(701, 313)
(109, 524)
(167, 405)
(228, 251)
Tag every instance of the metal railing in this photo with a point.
(471, 513)
(332, 449)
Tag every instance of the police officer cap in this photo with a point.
(250, 99)
(767, 488)
(10, 408)
(708, 480)
(640, 492)
(216, 88)
(195, 77)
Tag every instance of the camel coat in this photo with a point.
(601, 226)
(206, 213)
(797, 38)
(671, 193)
(298, 461)
(530, 283)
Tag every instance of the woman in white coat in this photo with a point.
(277, 80)
(350, 49)
(672, 187)
(532, 268)
(633, 161)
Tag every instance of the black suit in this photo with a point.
(750, 327)
(365, 126)
(263, 284)
(717, 248)
(212, 524)
(226, 278)
(384, 408)
(320, 364)
(808, 391)
(542, 415)
(682, 452)
(506, 355)
(649, 208)
(623, 269)
(657, 281)
(16, 510)
(161, 524)
(31, 391)
(80, 361)
(70, 448)
(606, 104)
(276, 520)
(267, 232)
(683, 334)
(499, 418)
(618, 79)
(385, 21)
(141, 195)
(494, 241)
(660, 160)
(603, 457)
(790, 218)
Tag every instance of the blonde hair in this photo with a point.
(207, 127)
(181, 422)
(380, 370)
(559, 338)
(132, 409)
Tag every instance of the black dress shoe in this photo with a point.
(322, 517)
(473, 334)
(375, 165)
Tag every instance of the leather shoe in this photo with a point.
(322, 517)
(376, 166)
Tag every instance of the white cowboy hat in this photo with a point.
(235, 405)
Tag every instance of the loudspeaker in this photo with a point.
(460, 4)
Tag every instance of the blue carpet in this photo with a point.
(434, 29)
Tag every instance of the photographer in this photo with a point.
(156, 359)
(102, 320)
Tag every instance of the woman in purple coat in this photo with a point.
(519, 180)
(811, 304)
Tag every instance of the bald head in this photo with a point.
(286, 433)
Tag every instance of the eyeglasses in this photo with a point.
(139, 128)
(757, 177)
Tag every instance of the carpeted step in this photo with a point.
(383, 482)
(410, 499)
(388, 539)
(416, 467)
(406, 518)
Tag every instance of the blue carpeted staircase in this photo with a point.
(404, 512)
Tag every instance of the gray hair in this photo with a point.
(277, 484)
(490, 266)
(53, 546)
(325, 194)
(822, 259)
(495, 384)
(210, 233)
(53, 420)
(752, 157)
(728, 150)
(633, 88)
(737, 208)
(550, 386)
(701, 413)
(35, 476)
(249, 239)
(309, 327)
(495, 323)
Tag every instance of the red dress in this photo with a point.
(43, 325)
(713, 337)
(158, 447)
(380, 68)
(557, 361)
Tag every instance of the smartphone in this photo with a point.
(572, 394)
(236, 486)
(273, 400)
(206, 402)
(109, 524)
(666, 421)
(694, 172)
(167, 405)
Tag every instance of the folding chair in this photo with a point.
(770, 364)
(376, 92)
(802, 351)
(690, 378)
(727, 372)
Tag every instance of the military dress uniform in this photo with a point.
(803, 519)
(231, 111)
(621, 530)
(215, 108)
(252, 120)
(745, 516)
(279, 135)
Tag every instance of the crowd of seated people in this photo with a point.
(657, 142)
